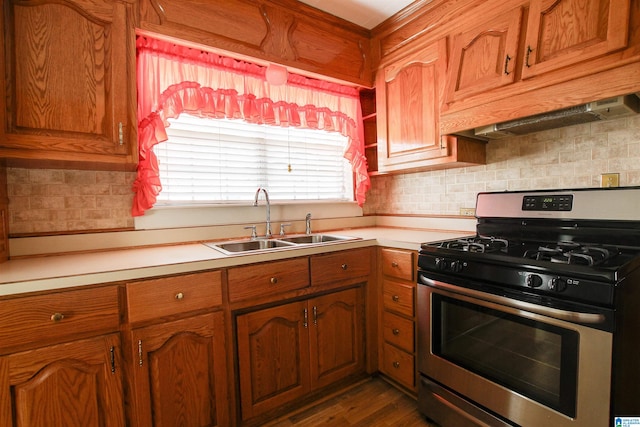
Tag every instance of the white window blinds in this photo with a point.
(221, 160)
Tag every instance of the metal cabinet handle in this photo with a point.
(179, 296)
(506, 65)
(395, 298)
(57, 317)
(396, 364)
(306, 318)
(112, 350)
(344, 266)
(140, 353)
(526, 59)
(315, 315)
(274, 280)
(396, 332)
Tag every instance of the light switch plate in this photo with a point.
(467, 211)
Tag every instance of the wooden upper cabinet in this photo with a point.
(67, 71)
(287, 32)
(484, 57)
(408, 94)
(566, 32)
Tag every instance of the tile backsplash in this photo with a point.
(571, 157)
(53, 201)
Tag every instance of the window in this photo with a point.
(223, 161)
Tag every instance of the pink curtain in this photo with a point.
(172, 79)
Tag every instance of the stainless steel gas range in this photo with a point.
(535, 320)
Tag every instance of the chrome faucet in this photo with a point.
(268, 203)
(308, 223)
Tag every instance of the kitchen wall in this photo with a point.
(571, 157)
(52, 200)
(43, 200)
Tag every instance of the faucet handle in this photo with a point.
(282, 226)
(254, 233)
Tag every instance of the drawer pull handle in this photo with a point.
(274, 280)
(395, 298)
(179, 296)
(57, 317)
(344, 266)
(396, 365)
(396, 332)
(394, 264)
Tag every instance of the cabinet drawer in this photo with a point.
(258, 280)
(398, 263)
(399, 365)
(398, 297)
(150, 299)
(339, 266)
(35, 320)
(398, 331)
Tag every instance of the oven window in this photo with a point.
(535, 359)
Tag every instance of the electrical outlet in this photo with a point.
(467, 211)
(610, 180)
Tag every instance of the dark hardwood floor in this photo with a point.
(371, 403)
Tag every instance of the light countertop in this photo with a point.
(63, 271)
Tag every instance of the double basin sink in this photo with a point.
(253, 245)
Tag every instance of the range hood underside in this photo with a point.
(607, 109)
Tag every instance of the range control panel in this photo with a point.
(547, 203)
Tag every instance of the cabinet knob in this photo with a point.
(274, 280)
(179, 296)
(394, 264)
(395, 298)
(396, 332)
(57, 317)
(344, 266)
(396, 364)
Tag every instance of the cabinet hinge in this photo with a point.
(120, 134)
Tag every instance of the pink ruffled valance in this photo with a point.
(174, 79)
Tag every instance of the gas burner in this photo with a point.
(476, 244)
(573, 253)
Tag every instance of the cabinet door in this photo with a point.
(69, 78)
(77, 384)
(484, 57)
(336, 336)
(273, 357)
(566, 32)
(179, 373)
(409, 96)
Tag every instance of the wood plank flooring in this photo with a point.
(371, 403)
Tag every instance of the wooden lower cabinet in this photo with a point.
(179, 373)
(290, 350)
(398, 316)
(75, 384)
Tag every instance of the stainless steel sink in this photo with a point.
(249, 245)
(315, 238)
(242, 246)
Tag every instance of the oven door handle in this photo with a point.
(569, 316)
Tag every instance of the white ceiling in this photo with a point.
(366, 13)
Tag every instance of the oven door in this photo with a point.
(516, 364)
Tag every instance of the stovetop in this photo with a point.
(568, 244)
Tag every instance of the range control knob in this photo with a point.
(457, 266)
(441, 264)
(534, 281)
(557, 284)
